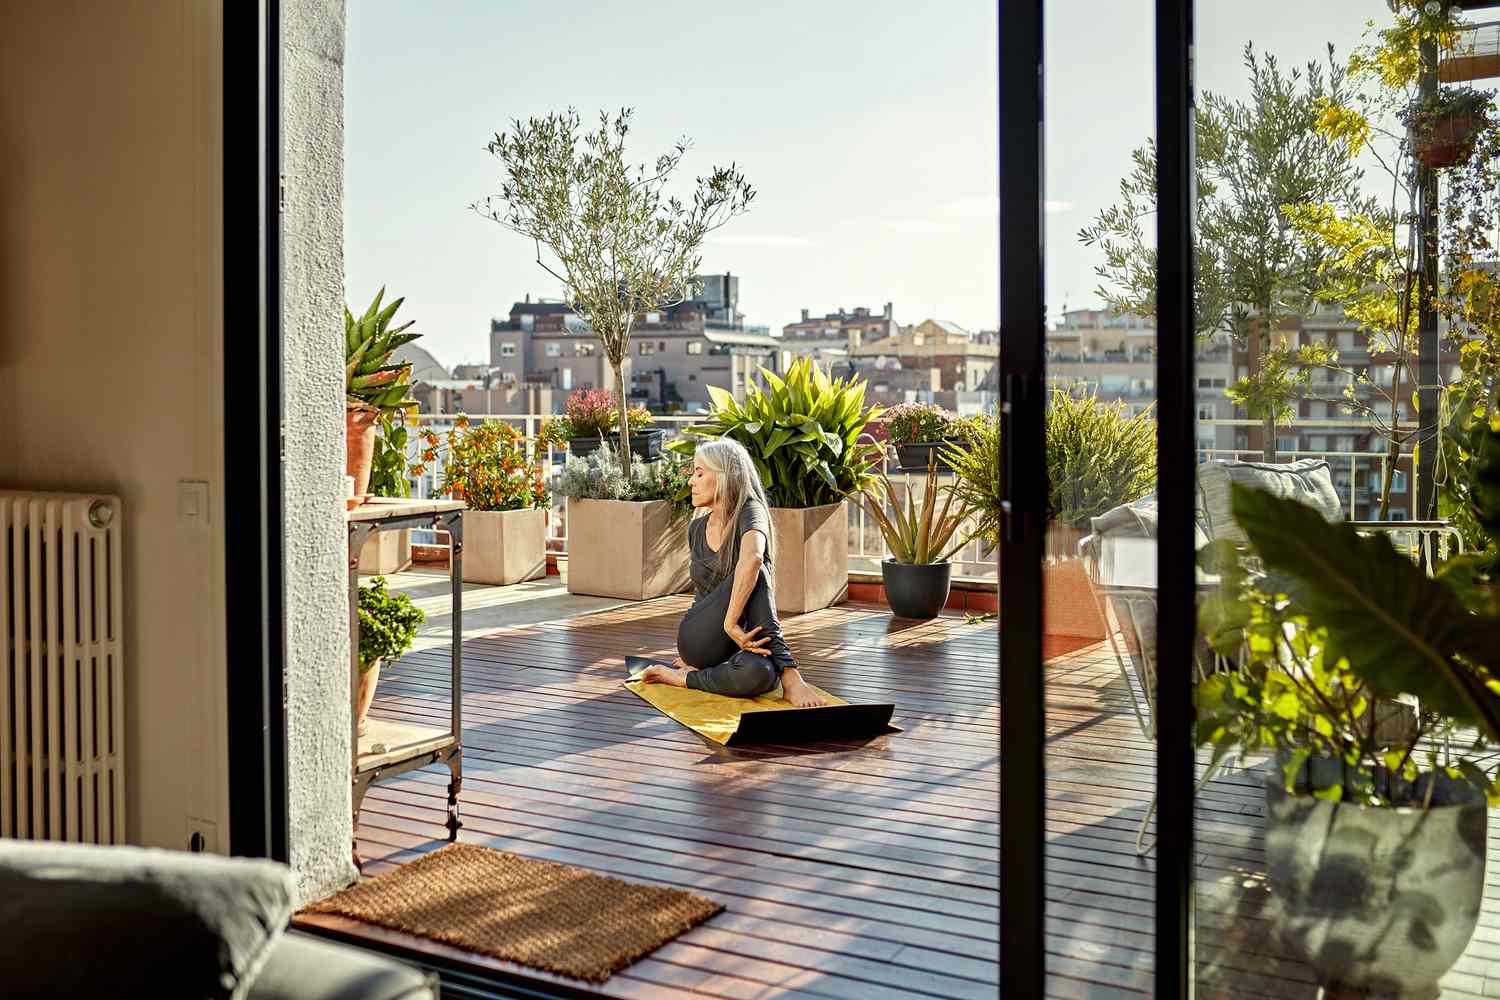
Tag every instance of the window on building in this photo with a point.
(695, 347)
(567, 379)
(507, 350)
(692, 377)
(554, 350)
(509, 378)
(645, 348)
(661, 345)
(1317, 442)
(653, 317)
(1205, 413)
(586, 350)
(1286, 444)
(1397, 514)
(1398, 481)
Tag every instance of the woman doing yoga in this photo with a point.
(730, 640)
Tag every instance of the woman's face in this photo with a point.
(705, 484)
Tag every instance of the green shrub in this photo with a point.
(977, 467)
(387, 623)
(802, 433)
(1097, 457)
(488, 468)
(598, 476)
(388, 467)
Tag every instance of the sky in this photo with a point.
(868, 128)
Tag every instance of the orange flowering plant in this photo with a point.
(487, 467)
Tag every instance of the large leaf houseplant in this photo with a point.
(805, 432)
(1375, 690)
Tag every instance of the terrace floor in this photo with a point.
(859, 872)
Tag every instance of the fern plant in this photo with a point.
(802, 432)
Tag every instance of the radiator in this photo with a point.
(62, 720)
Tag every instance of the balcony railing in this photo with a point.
(1357, 473)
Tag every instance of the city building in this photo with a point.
(675, 353)
(828, 339)
(934, 361)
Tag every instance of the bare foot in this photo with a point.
(658, 674)
(797, 691)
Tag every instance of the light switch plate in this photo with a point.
(192, 502)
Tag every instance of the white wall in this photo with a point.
(111, 344)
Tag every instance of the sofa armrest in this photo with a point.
(304, 967)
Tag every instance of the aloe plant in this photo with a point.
(917, 535)
(802, 432)
(371, 382)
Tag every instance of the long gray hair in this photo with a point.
(737, 484)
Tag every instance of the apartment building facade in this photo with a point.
(932, 361)
(829, 338)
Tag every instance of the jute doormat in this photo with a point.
(543, 915)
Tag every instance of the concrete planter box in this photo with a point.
(812, 557)
(620, 548)
(385, 552)
(502, 547)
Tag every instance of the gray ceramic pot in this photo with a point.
(916, 590)
(1379, 901)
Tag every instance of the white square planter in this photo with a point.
(625, 549)
(811, 567)
(385, 552)
(502, 547)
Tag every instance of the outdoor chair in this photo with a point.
(1120, 558)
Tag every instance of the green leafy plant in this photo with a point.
(487, 467)
(803, 434)
(908, 423)
(916, 534)
(1447, 122)
(598, 476)
(1098, 457)
(1339, 626)
(387, 623)
(620, 245)
(371, 382)
(388, 469)
(977, 466)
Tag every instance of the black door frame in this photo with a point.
(253, 561)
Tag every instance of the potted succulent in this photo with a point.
(387, 628)
(505, 526)
(920, 431)
(373, 387)
(1374, 689)
(918, 573)
(804, 434)
(1445, 125)
(592, 415)
(627, 534)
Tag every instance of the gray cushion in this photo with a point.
(91, 921)
(1308, 481)
(302, 967)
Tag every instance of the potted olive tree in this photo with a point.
(373, 387)
(627, 532)
(804, 435)
(620, 245)
(505, 526)
(387, 628)
(591, 415)
(918, 573)
(1373, 688)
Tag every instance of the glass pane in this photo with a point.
(1100, 572)
(1341, 816)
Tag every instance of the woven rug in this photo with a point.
(539, 914)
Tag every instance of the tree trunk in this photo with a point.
(624, 423)
(1260, 340)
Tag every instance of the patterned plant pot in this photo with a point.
(1379, 901)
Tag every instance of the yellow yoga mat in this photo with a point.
(765, 719)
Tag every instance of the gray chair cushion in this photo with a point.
(302, 967)
(91, 921)
(1308, 481)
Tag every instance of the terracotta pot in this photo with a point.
(1451, 139)
(368, 679)
(502, 547)
(625, 549)
(811, 568)
(359, 445)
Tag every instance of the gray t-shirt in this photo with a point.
(705, 565)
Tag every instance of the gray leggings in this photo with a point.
(724, 668)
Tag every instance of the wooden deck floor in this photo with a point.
(854, 872)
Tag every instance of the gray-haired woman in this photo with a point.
(730, 640)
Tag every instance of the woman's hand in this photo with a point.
(749, 641)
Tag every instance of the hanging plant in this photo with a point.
(1446, 125)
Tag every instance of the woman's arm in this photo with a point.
(746, 573)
